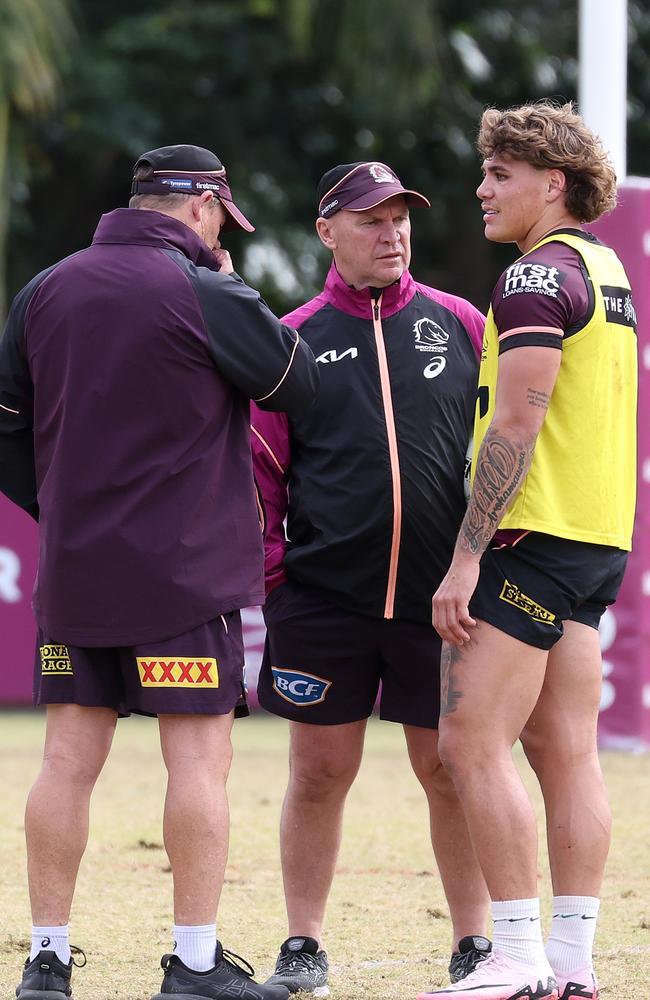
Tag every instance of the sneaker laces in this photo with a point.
(238, 963)
(296, 959)
(74, 951)
(465, 963)
(493, 964)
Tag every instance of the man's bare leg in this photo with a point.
(197, 752)
(77, 742)
(560, 742)
(324, 761)
(490, 687)
(461, 876)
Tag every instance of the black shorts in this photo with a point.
(200, 672)
(529, 589)
(325, 665)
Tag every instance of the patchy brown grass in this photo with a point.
(388, 927)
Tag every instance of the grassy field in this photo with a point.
(388, 929)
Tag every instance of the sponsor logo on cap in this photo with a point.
(381, 175)
(207, 186)
(299, 688)
(178, 672)
(55, 661)
(330, 205)
(177, 182)
(511, 594)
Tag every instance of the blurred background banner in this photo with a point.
(18, 558)
(625, 630)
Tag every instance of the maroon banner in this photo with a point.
(625, 629)
(18, 558)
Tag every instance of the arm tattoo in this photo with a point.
(501, 467)
(450, 692)
(538, 398)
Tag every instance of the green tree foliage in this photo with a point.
(284, 89)
(34, 40)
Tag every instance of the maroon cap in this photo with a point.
(359, 186)
(189, 170)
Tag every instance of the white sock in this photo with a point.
(196, 946)
(570, 944)
(518, 931)
(51, 939)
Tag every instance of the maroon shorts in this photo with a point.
(325, 665)
(529, 589)
(200, 672)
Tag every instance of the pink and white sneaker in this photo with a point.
(498, 977)
(580, 985)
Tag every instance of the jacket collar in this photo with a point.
(153, 229)
(358, 302)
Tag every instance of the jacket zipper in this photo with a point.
(393, 456)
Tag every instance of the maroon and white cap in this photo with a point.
(359, 186)
(190, 170)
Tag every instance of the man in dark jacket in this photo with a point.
(371, 482)
(125, 377)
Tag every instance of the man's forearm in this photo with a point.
(503, 461)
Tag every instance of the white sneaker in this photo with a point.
(501, 978)
(580, 985)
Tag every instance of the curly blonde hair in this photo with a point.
(554, 136)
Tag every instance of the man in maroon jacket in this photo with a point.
(125, 377)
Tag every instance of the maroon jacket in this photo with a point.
(125, 377)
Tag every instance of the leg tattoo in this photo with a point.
(450, 690)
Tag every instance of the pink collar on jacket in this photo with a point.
(358, 302)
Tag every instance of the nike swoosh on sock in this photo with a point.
(515, 920)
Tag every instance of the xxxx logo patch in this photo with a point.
(178, 672)
(55, 661)
(511, 594)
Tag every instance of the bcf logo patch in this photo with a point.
(178, 672)
(299, 688)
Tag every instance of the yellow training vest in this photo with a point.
(582, 481)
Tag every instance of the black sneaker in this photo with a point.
(47, 978)
(301, 967)
(226, 981)
(471, 951)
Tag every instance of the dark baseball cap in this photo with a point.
(359, 186)
(189, 170)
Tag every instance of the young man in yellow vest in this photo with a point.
(542, 549)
